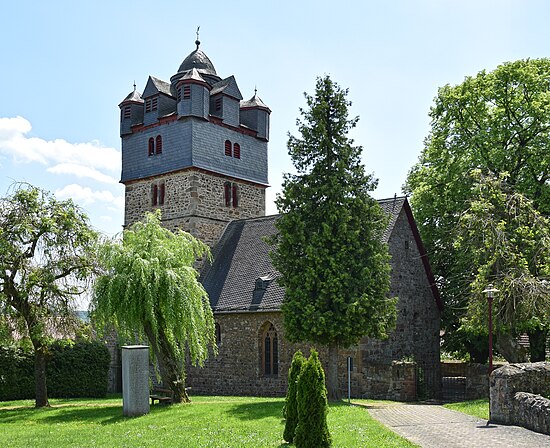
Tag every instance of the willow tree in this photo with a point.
(329, 250)
(150, 289)
(47, 255)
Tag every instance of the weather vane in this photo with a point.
(198, 42)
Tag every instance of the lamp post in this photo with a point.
(490, 291)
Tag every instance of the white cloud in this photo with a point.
(86, 195)
(24, 149)
(82, 172)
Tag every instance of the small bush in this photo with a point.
(312, 429)
(290, 410)
(73, 370)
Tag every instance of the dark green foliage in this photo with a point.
(334, 266)
(290, 410)
(312, 430)
(329, 250)
(74, 370)
(16, 373)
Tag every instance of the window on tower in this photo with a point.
(158, 192)
(159, 145)
(237, 151)
(218, 104)
(231, 194)
(228, 148)
(151, 147)
(127, 112)
(186, 92)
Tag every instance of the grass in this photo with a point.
(206, 422)
(477, 408)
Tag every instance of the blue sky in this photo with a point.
(66, 65)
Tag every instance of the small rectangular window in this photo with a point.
(227, 194)
(235, 195)
(127, 112)
(161, 194)
(155, 193)
(147, 105)
(154, 104)
(218, 104)
(237, 151)
(186, 92)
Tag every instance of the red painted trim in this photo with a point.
(193, 81)
(423, 255)
(198, 170)
(162, 120)
(217, 120)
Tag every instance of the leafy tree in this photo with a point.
(47, 254)
(496, 122)
(508, 242)
(311, 396)
(150, 288)
(291, 403)
(335, 268)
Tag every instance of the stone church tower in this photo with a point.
(194, 149)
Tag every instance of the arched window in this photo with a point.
(159, 144)
(235, 195)
(227, 193)
(161, 194)
(155, 192)
(218, 333)
(228, 148)
(151, 146)
(270, 350)
(237, 151)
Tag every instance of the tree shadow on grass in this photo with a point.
(102, 415)
(257, 410)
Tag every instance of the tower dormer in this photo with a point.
(158, 100)
(193, 95)
(131, 112)
(224, 101)
(255, 115)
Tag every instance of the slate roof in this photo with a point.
(242, 278)
(198, 59)
(227, 86)
(133, 96)
(254, 102)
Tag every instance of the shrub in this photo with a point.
(16, 373)
(74, 370)
(312, 429)
(290, 410)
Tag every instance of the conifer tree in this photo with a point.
(291, 404)
(329, 251)
(312, 429)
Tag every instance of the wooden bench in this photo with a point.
(161, 395)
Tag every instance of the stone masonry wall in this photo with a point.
(194, 201)
(416, 336)
(237, 370)
(518, 394)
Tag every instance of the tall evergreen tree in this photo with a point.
(311, 396)
(151, 288)
(335, 268)
(291, 403)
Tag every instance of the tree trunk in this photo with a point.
(537, 345)
(41, 399)
(171, 373)
(509, 347)
(333, 389)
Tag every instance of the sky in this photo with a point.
(66, 65)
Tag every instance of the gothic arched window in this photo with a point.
(151, 146)
(218, 333)
(237, 151)
(270, 350)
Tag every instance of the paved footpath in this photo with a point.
(433, 426)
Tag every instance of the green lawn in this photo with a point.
(207, 422)
(477, 408)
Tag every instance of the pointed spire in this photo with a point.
(198, 42)
(134, 85)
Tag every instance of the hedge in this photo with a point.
(74, 369)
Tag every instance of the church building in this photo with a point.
(195, 149)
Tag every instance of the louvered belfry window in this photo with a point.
(228, 148)
(237, 151)
(159, 145)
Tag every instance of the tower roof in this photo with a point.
(254, 102)
(198, 59)
(133, 97)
